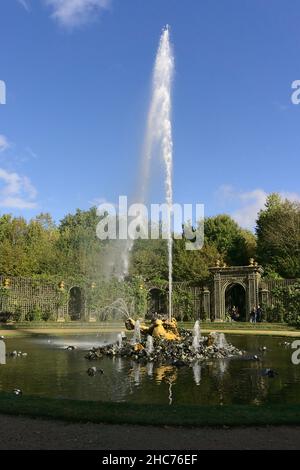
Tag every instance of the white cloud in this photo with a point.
(249, 203)
(24, 4)
(252, 202)
(16, 191)
(4, 144)
(71, 13)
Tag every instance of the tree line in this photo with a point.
(70, 248)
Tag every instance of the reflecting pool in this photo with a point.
(50, 370)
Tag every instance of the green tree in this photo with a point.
(78, 243)
(193, 266)
(278, 236)
(234, 244)
(149, 259)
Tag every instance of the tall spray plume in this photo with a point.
(159, 137)
(159, 134)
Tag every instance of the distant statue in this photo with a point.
(159, 328)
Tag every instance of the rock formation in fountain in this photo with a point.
(178, 352)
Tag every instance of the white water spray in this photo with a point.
(150, 369)
(159, 136)
(119, 340)
(196, 336)
(149, 345)
(137, 332)
(159, 133)
(221, 341)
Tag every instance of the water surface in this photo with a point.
(51, 371)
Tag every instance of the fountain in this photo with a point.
(118, 305)
(221, 341)
(163, 75)
(196, 336)
(185, 349)
(119, 340)
(137, 333)
(161, 341)
(150, 369)
(159, 136)
(149, 345)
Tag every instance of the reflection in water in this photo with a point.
(197, 373)
(170, 393)
(223, 364)
(79, 341)
(2, 352)
(166, 374)
(118, 362)
(136, 373)
(150, 369)
(50, 370)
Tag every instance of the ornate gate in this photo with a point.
(248, 277)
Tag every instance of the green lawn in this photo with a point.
(53, 328)
(124, 413)
(241, 326)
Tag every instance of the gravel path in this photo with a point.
(26, 433)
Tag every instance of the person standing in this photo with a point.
(259, 314)
(253, 315)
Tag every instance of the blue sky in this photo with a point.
(78, 88)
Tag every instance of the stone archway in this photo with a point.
(248, 277)
(76, 303)
(157, 302)
(235, 298)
